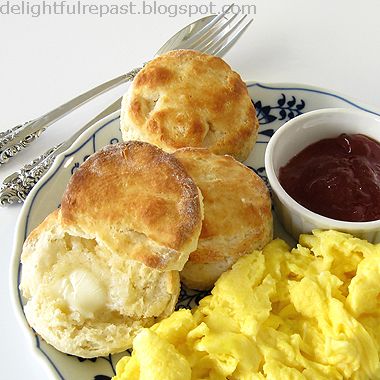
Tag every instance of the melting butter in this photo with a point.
(83, 292)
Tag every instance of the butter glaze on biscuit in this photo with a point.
(187, 98)
(137, 200)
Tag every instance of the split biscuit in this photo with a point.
(86, 300)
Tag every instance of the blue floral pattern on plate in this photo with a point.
(275, 104)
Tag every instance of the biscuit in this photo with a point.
(138, 201)
(187, 98)
(237, 214)
(86, 300)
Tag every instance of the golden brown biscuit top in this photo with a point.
(237, 205)
(134, 188)
(186, 98)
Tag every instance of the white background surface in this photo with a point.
(47, 60)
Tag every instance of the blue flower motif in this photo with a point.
(285, 109)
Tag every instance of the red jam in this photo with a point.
(338, 178)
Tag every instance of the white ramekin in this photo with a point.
(294, 136)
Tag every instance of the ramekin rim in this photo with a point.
(289, 201)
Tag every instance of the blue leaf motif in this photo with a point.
(266, 110)
(271, 118)
(282, 114)
(292, 102)
(282, 100)
(267, 132)
(301, 105)
(282, 111)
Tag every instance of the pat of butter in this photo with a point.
(83, 292)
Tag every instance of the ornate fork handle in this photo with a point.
(12, 135)
(17, 186)
(20, 137)
(9, 134)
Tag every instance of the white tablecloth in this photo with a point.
(49, 59)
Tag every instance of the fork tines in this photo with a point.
(219, 34)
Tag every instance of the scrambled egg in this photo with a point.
(309, 313)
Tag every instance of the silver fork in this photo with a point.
(208, 35)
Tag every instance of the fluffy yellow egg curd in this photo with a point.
(307, 313)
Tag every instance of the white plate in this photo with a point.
(275, 104)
